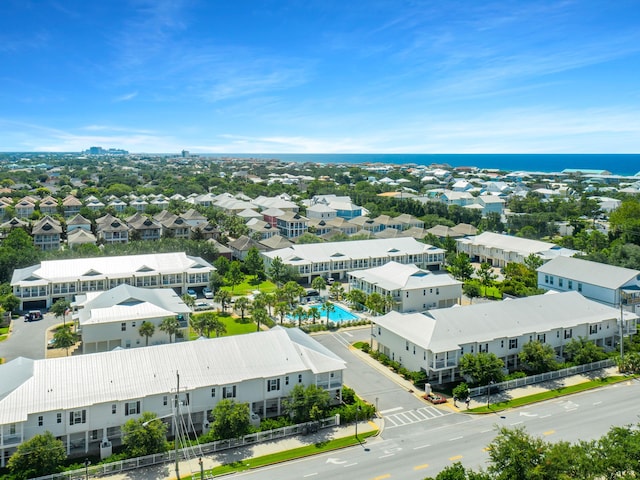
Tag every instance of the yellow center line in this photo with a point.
(382, 477)
(549, 432)
(457, 457)
(420, 467)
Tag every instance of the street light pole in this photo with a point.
(489, 391)
(87, 462)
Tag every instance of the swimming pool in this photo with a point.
(338, 315)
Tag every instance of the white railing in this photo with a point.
(543, 377)
(186, 453)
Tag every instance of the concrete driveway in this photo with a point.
(28, 339)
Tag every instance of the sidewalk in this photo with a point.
(192, 467)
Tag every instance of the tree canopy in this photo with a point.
(41, 455)
(145, 435)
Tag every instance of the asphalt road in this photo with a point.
(418, 450)
(368, 383)
(28, 339)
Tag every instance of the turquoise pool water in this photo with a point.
(338, 315)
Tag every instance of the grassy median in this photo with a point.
(558, 392)
(278, 457)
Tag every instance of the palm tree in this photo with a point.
(375, 303)
(336, 290)
(146, 330)
(242, 304)
(59, 309)
(270, 301)
(223, 297)
(281, 309)
(218, 326)
(170, 326)
(198, 323)
(357, 298)
(314, 314)
(300, 314)
(259, 315)
(188, 300)
(319, 284)
(329, 308)
(388, 303)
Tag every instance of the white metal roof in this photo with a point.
(508, 243)
(79, 381)
(331, 251)
(109, 267)
(399, 276)
(446, 329)
(594, 273)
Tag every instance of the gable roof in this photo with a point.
(447, 329)
(594, 273)
(45, 385)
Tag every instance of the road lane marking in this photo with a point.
(421, 446)
(387, 455)
(597, 403)
(455, 438)
(350, 464)
(382, 477)
(420, 467)
(457, 457)
(487, 430)
(516, 423)
(549, 432)
(391, 410)
(545, 416)
(310, 475)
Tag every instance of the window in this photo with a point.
(132, 408)
(299, 378)
(273, 384)
(406, 345)
(58, 418)
(437, 291)
(501, 343)
(414, 349)
(567, 333)
(593, 329)
(542, 337)
(114, 409)
(286, 380)
(560, 282)
(186, 400)
(12, 429)
(165, 399)
(513, 343)
(550, 280)
(213, 392)
(133, 324)
(570, 284)
(546, 279)
(77, 416)
(229, 392)
(40, 420)
(579, 287)
(123, 326)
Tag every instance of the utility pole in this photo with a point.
(176, 425)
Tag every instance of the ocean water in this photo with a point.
(617, 164)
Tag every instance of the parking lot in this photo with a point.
(27, 339)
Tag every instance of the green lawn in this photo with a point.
(4, 333)
(250, 463)
(558, 392)
(235, 326)
(249, 286)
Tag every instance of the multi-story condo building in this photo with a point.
(335, 259)
(84, 400)
(40, 285)
(413, 289)
(436, 340)
(47, 234)
(608, 284)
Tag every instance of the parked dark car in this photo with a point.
(32, 316)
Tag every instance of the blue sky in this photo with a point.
(307, 76)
